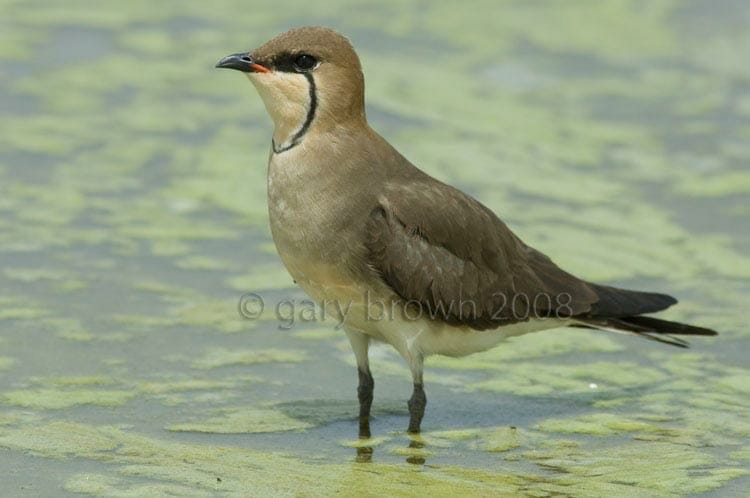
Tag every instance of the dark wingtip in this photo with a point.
(670, 300)
(709, 333)
(623, 302)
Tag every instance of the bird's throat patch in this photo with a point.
(310, 116)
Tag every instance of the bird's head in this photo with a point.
(307, 77)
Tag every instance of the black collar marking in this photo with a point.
(297, 138)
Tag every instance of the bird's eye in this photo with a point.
(304, 62)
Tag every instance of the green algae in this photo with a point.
(502, 439)
(609, 134)
(141, 322)
(366, 442)
(661, 471)
(72, 329)
(162, 387)
(217, 180)
(22, 313)
(657, 470)
(34, 274)
(53, 399)
(262, 278)
(220, 315)
(103, 485)
(202, 263)
(217, 358)
(490, 439)
(210, 469)
(599, 377)
(169, 248)
(58, 440)
(246, 420)
(413, 452)
(71, 381)
(190, 391)
(317, 334)
(739, 383)
(163, 289)
(278, 417)
(13, 417)
(598, 424)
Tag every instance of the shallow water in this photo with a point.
(611, 135)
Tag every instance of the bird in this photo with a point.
(399, 256)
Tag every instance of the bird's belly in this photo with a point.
(430, 337)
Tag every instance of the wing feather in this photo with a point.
(435, 245)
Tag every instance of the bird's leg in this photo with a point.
(364, 393)
(360, 345)
(418, 399)
(417, 403)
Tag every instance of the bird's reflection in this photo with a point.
(364, 454)
(365, 451)
(417, 457)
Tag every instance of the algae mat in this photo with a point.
(612, 135)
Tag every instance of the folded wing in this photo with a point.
(441, 248)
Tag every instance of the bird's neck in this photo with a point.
(320, 132)
(292, 123)
(284, 135)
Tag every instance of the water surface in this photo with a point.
(612, 135)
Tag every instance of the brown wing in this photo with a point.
(439, 247)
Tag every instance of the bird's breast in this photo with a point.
(315, 226)
(303, 208)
